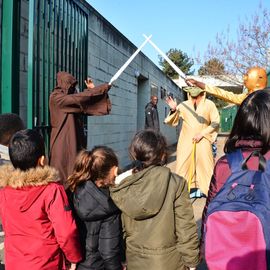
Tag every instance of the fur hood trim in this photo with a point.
(15, 178)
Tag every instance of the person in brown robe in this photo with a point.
(66, 109)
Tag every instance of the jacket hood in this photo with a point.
(31, 183)
(142, 194)
(15, 178)
(64, 81)
(92, 204)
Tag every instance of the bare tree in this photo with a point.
(251, 48)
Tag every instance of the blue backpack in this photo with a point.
(237, 228)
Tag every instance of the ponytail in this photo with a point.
(82, 169)
(92, 165)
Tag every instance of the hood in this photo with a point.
(64, 81)
(142, 194)
(31, 183)
(91, 203)
(15, 178)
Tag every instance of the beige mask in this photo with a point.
(255, 79)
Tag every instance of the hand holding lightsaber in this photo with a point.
(176, 68)
(119, 72)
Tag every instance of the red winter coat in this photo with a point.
(37, 220)
(222, 171)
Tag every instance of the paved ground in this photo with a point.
(199, 203)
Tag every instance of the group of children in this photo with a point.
(143, 221)
(45, 230)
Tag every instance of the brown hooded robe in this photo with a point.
(66, 107)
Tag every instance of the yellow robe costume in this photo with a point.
(225, 95)
(205, 120)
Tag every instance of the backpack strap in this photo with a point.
(235, 160)
(262, 160)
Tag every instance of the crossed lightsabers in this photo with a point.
(147, 39)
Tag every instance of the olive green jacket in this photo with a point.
(158, 221)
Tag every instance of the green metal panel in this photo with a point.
(227, 118)
(30, 64)
(9, 95)
(54, 45)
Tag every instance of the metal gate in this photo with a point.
(57, 42)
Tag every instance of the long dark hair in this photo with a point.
(147, 148)
(92, 165)
(252, 121)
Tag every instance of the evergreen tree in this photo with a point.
(180, 59)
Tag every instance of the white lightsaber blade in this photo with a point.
(176, 68)
(119, 72)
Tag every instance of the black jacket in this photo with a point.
(151, 117)
(99, 226)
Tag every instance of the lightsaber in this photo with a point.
(176, 68)
(120, 71)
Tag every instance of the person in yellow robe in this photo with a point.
(200, 124)
(255, 79)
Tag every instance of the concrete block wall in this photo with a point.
(108, 50)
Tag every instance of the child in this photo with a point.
(10, 123)
(99, 219)
(39, 228)
(160, 230)
(250, 133)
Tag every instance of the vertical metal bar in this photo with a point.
(30, 64)
(78, 47)
(40, 101)
(54, 39)
(9, 56)
(72, 39)
(86, 46)
(48, 84)
(75, 43)
(83, 47)
(57, 35)
(80, 51)
(37, 59)
(77, 40)
(67, 36)
(62, 35)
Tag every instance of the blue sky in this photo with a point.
(186, 25)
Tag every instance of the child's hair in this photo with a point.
(25, 149)
(252, 121)
(147, 148)
(92, 165)
(10, 123)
